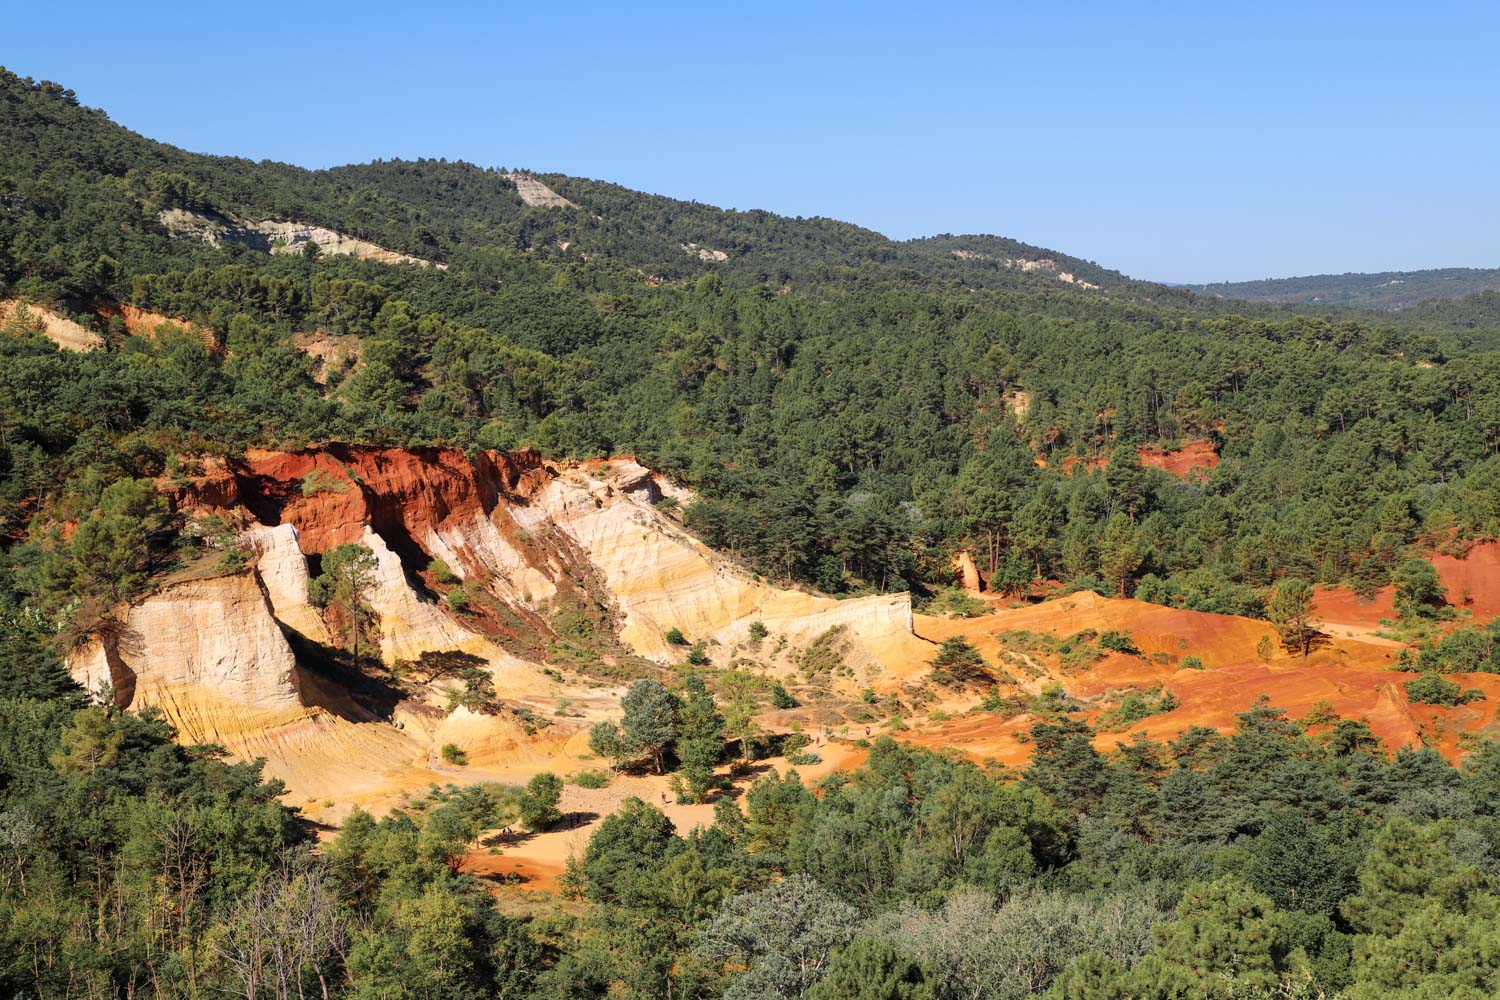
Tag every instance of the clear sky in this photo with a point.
(1174, 141)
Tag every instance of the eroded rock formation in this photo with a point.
(216, 634)
(275, 236)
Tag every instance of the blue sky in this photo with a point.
(1187, 142)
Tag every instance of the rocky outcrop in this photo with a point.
(330, 352)
(533, 192)
(1046, 265)
(660, 577)
(967, 572)
(216, 634)
(283, 572)
(705, 254)
(273, 236)
(532, 543)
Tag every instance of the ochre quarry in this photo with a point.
(1472, 582)
(241, 658)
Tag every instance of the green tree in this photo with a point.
(606, 740)
(957, 662)
(117, 547)
(1290, 609)
(347, 577)
(538, 803)
(871, 969)
(650, 721)
(1119, 553)
(700, 738)
(741, 689)
(783, 936)
(1419, 592)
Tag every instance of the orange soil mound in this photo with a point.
(145, 323)
(1181, 462)
(1353, 676)
(1472, 581)
(1184, 461)
(1163, 633)
(1339, 607)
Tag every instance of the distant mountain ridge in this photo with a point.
(437, 210)
(1382, 290)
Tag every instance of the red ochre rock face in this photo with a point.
(330, 494)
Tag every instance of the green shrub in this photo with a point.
(1192, 663)
(958, 663)
(442, 572)
(781, 698)
(318, 481)
(958, 604)
(826, 653)
(589, 779)
(1435, 689)
(675, 637)
(453, 755)
(1135, 706)
(758, 631)
(697, 655)
(1119, 642)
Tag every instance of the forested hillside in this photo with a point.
(1383, 290)
(845, 432)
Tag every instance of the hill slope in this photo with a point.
(1385, 290)
(434, 209)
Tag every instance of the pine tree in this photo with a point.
(700, 738)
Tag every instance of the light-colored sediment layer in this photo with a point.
(536, 194)
(280, 237)
(218, 634)
(63, 332)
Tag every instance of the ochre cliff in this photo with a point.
(217, 634)
(523, 530)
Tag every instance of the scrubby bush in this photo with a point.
(1434, 689)
(589, 779)
(958, 663)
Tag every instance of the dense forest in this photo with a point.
(1381, 290)
(850, 410)
(1269, 863)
